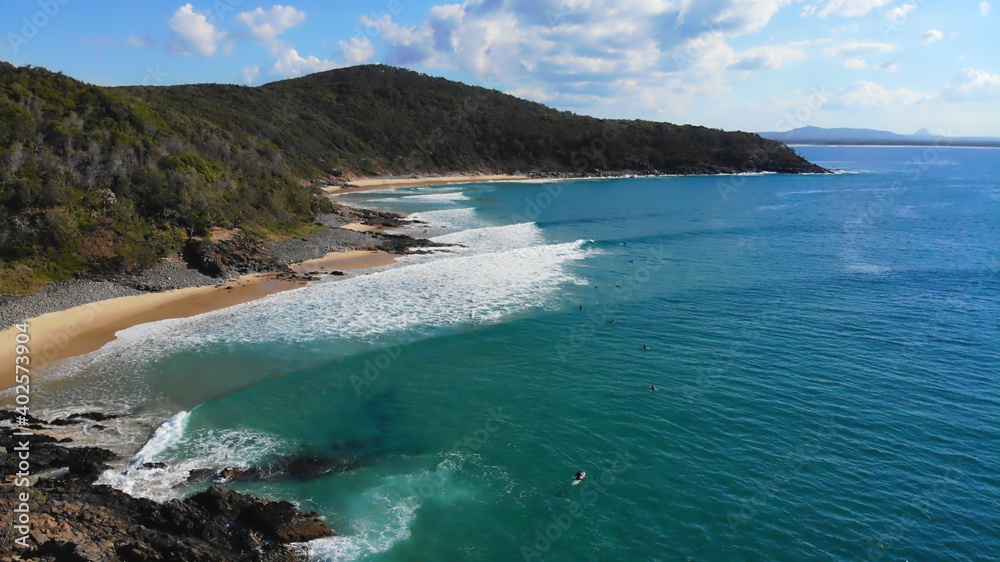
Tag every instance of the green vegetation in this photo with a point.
(111, 179)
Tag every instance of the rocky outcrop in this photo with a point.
(73, 520)
(370, 217)
(240, 255)
(301, 468)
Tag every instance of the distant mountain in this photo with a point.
(97, 179)
(844, 136)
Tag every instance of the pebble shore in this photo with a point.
(172, 273)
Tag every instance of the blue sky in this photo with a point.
(756, 65)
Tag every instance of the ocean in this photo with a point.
(825, 351)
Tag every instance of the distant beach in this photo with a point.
(372, 184)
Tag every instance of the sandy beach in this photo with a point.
(372, 184)
(358, 227)
(83, 329)
(76, 331)
(358, 259)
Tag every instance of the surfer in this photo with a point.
(644, 348)
(581, 307)
(579, 476)
(611, 321)
(652, 388)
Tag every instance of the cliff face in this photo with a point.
(72, 520)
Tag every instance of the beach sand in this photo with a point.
(372, 184)
(358, 259)
(83, 329)
(75, 331)
(358, 227)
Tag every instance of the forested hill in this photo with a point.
(109, 179)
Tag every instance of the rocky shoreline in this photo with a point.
(207, 262)
(72, 519)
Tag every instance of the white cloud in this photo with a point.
(596, 52)
(774, 56)
(843, 8)
(266, 25)
(358, 50)
(862, 64)
(973, 85)
(250, 74)
(984, 8)
(855, 53)
(137, 41)
(899, 14)
(858, 49)
(746, 17)
(930, 37)
(194, 34)
(530, 93)
(870, 94)
(291, 63)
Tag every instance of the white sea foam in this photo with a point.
(370, 536)
(165, 437)
(396, 501)
(446, 220)
(205, 449)
(446, 197)
(495, 238)
(480, 288)
(477, 285)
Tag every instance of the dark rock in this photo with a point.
(65, 551)
(217, 524)
(93, 416)
(308, 468)
(14, 417)
(403, 244)
(230, 473)
(201, 475)
(202, 255)
(8, 439)
(277, 521)
(149, 465)
(45, 454)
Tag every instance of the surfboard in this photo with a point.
(575, 481)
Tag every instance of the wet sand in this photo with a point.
(358, 259)
(83, 329)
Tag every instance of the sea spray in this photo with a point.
(166, 436)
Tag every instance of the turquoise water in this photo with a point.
(826, 353)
